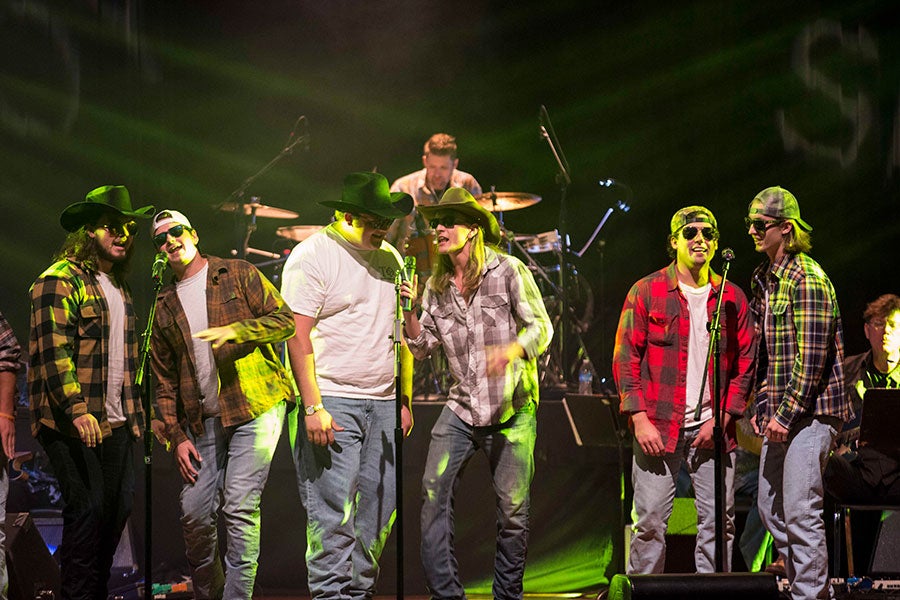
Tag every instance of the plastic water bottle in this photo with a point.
(585, 378)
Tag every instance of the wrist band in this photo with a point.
(7, 416)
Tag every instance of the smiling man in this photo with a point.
(222, 392)
(800, 400)
(340, 284)
(85, 408)
(484, 308)
(663, 374)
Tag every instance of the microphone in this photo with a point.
(159, 265)
(406, 274)
(728, 255)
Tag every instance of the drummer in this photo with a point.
(410, 235)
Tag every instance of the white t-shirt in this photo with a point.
(698, 345)
(192, 296)
(350, 292)
(115, 367)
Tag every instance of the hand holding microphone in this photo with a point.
(408, 276)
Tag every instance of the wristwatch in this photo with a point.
(313, 409)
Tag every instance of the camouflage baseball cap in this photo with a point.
(778, 203)
(692, 214)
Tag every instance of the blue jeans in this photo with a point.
(653, 479)
(509, 448)
(790, 499)
(349, 492)
(233, 473)
(97, 487)
(4, 491)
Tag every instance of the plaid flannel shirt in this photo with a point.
(804, 342)
(650, 357)
(506, 307)
(69, 352)
(252, 378)
(9, 347)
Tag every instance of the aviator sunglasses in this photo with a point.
(129, 228)
(761, 225)
(709, 233)
(176, 232)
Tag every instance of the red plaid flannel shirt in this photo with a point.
(650, 357)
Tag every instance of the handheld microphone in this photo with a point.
(406, 274)
(159, 265)
(728, 255)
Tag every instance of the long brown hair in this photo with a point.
(81, 248)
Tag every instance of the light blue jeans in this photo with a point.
(509, 448)
(653, 479)
(348, 490)
(232, 476)
(790, 499)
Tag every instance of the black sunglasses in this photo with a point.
(761, 225)
(176, 232)
(129, 228)
(445, 221)
(709, 233)
(375, 222)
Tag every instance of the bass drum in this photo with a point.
(423, 248)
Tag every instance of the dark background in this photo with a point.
(680, 103)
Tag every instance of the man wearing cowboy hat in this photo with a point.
(222, 392)
(339, 283)
(800, 399)
(85, 408)
(486, 311)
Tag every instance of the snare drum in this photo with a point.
(542, 242)
(423, 248)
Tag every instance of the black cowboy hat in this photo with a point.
(108, 198)
(369, 193)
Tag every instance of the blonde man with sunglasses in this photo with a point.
(664, 377)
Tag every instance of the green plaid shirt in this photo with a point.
(69, 352)
(799, 366)
(252, 378)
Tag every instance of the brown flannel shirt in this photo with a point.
(252, 378)
(69, 352)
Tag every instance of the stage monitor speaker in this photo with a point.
(694, 586)
(886, 557)
(32, 571)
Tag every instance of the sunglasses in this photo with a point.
(176, 232)
(761, 225)
(374, 222)
(129, 228)
(446, 221)
(709, 233)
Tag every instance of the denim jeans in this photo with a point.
(790, 500)
(97, 487)
(653, 479)
(509, 448)
(4, 492)
(232, 475)
(348, 490)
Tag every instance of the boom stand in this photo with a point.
(398, 433)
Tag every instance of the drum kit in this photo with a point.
(543, 253)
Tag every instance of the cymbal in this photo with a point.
(504, 201)
(298, 233)
(262, 210)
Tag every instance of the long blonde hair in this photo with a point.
(443, 268)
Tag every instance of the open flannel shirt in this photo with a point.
(650, 357)
(252, 378)
(800, 362)
(506, 307)
(69, 352)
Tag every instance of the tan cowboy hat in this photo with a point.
(460, 200)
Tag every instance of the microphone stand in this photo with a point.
(712, 352)
(398, 431)
(144, 384)
(563, 179)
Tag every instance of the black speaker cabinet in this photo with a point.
(694, 586)
(32, 571)
(886, 558)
